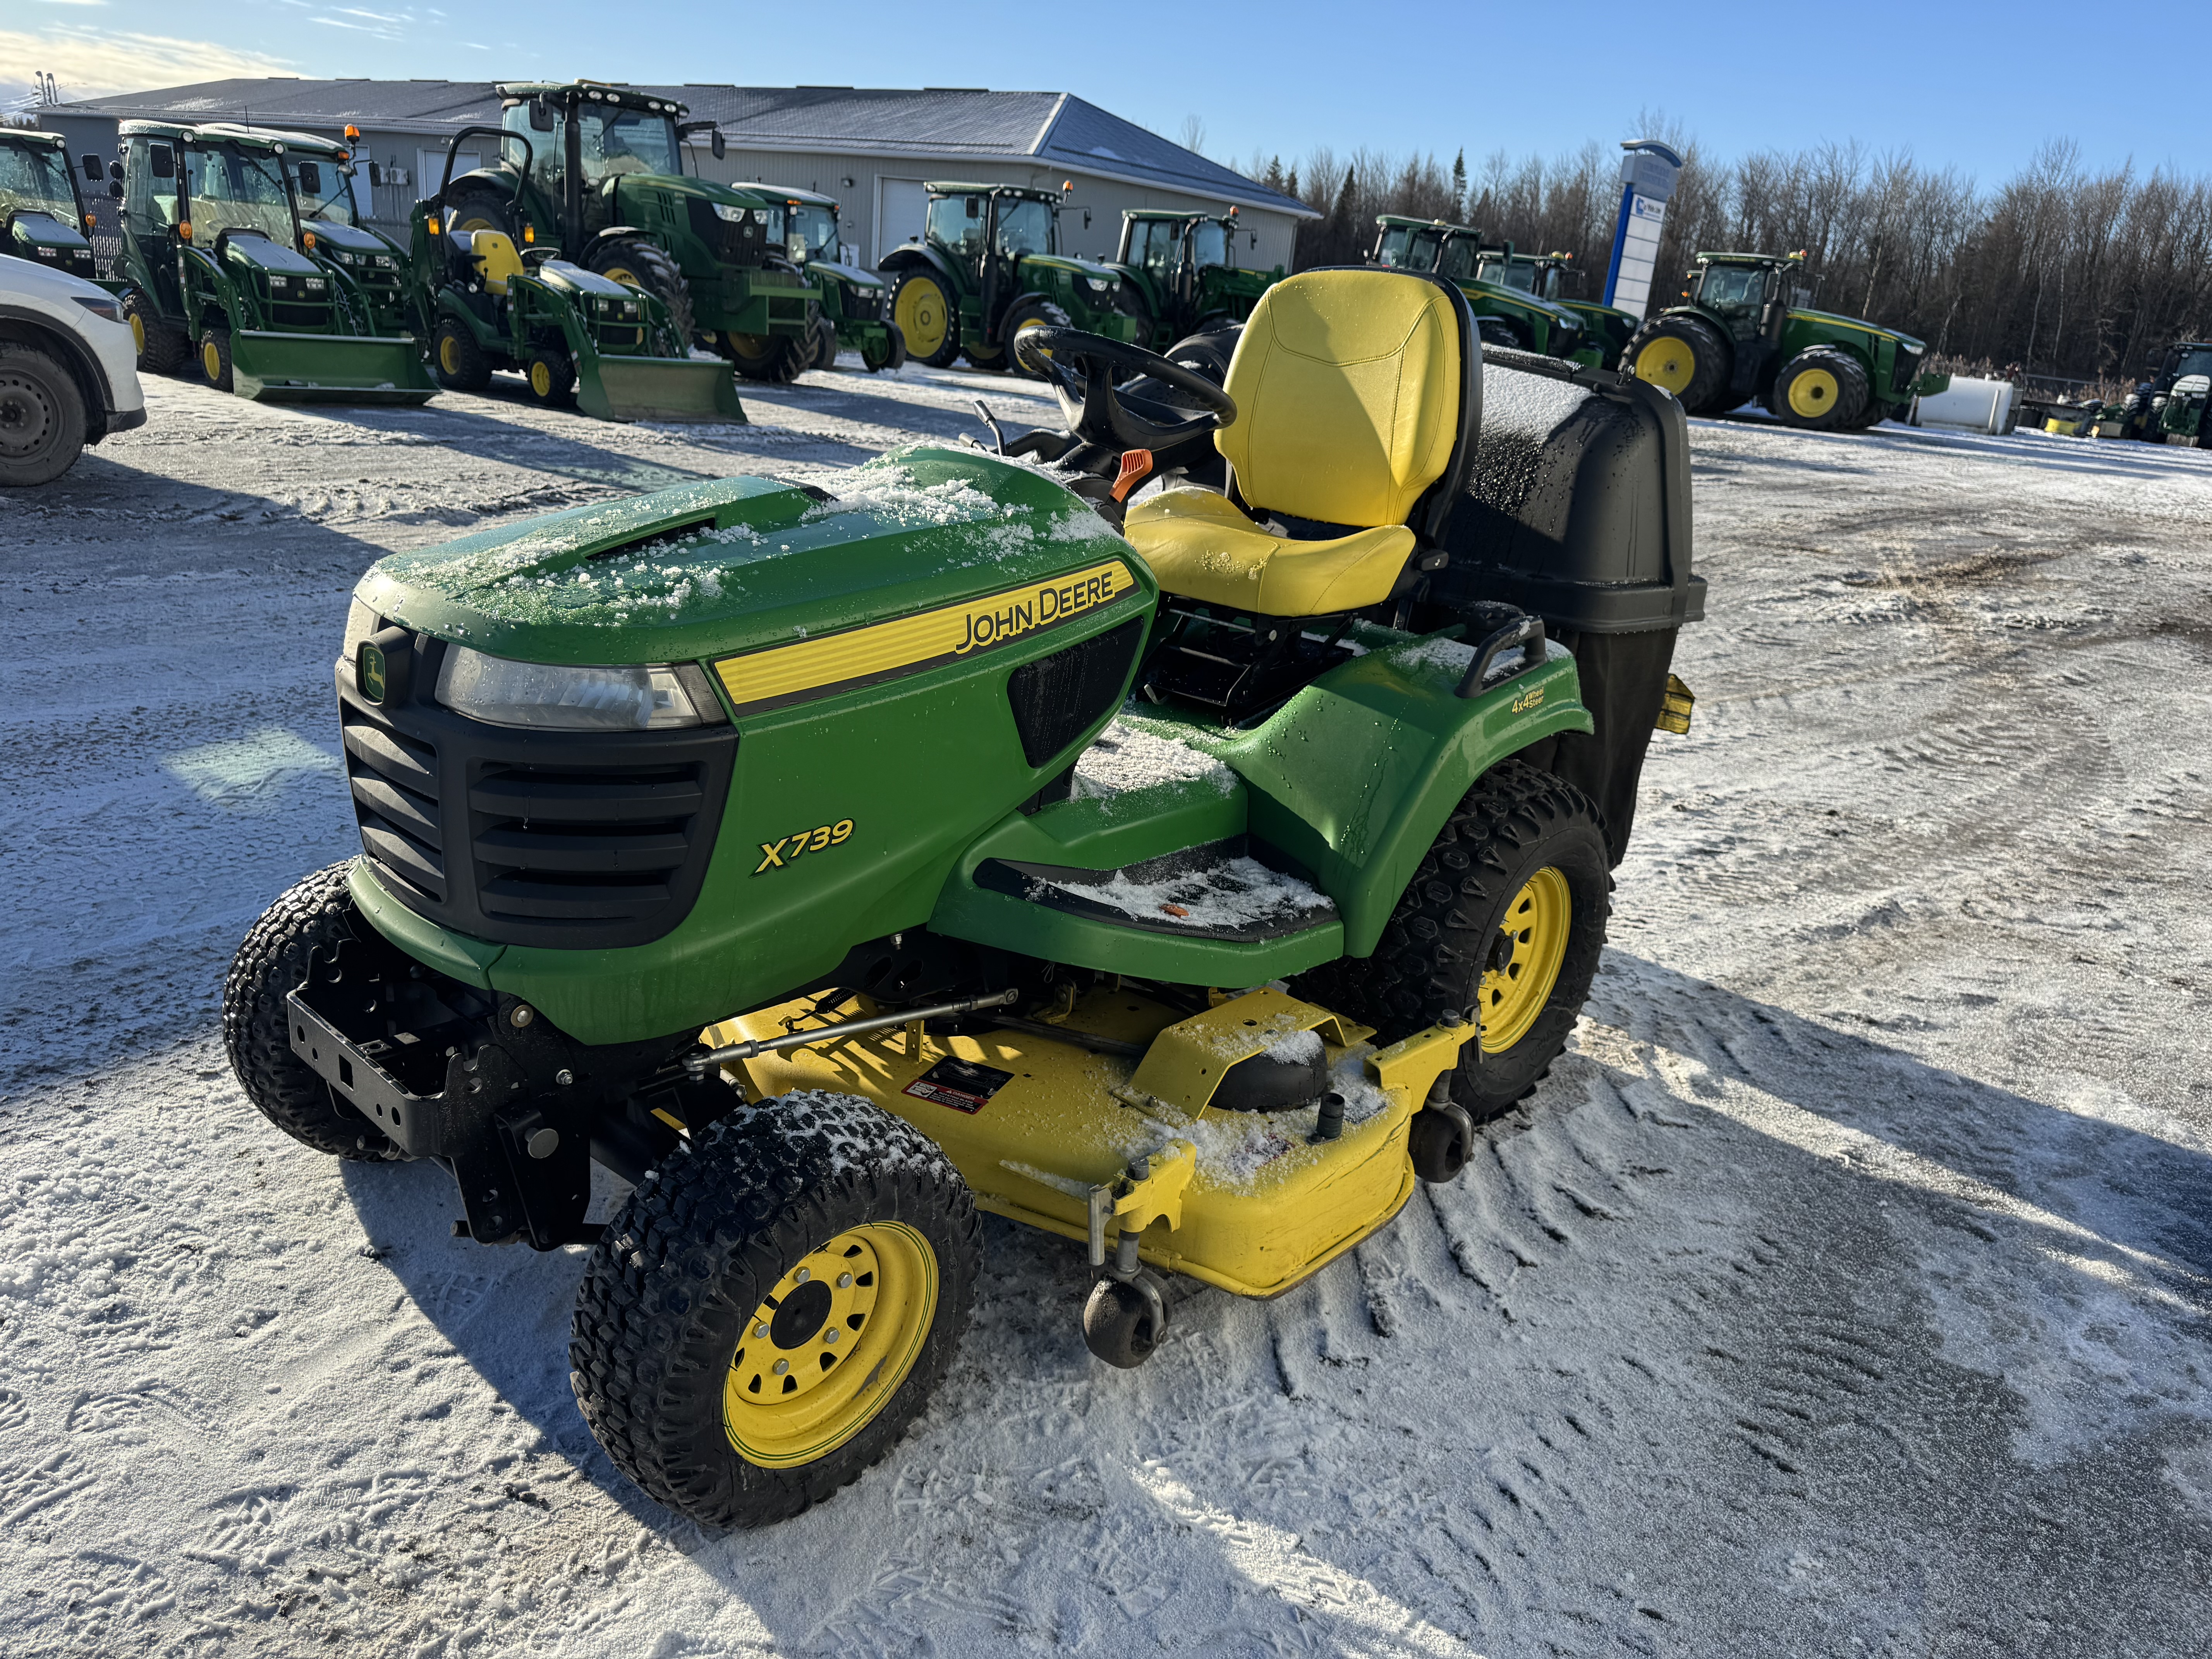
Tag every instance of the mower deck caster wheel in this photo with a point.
(1124, 1320)
(1440, 1140)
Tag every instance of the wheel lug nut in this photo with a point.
(782, 1366)
(844, 1281)
(803, 1275)
(760, 1330)
(830, 1337)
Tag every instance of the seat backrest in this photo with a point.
(1351, 389)
(496, 259)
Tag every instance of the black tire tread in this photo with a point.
(45, 374)
(168, 346)
(659, 274)
(1708, 391)
(1856, 396)
(943, 356)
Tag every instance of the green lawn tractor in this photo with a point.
(42, 214)
(852, 304)
(1745, 334)
(801, 855)
(2141, 414)
(1550, 276)
(606, 187)
(1507, 316)
(1179, 270)
(230, 261)
(574, 335)
(988, 269)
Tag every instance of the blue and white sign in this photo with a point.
(1648, 171)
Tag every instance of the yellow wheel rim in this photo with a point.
(1668, 362)
(922, 315)
(1812, 394)
(624, 275)
(829, 1345)
(476, 224)
(751, 347)
(138, 332)
(1533, 942)
(449, 355)
(211, 360)
(541, 381)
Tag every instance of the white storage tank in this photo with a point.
(1990, 406)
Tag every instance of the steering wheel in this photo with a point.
(1094, 409)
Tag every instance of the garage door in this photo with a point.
(903, 207)
(430, 169)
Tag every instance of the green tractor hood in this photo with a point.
(764, 562)
(351, 238)
(31, 228)
(1836, 319)
(254, 251)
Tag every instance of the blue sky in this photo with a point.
(1977, 86)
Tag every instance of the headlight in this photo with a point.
(384, 262)
(316, 285)
(499, 692)
(280, 282)
(1099, 284)
(108, 308)
(736, 215)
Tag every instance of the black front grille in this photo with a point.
(1906, 372)
(292, 314)
(864, 304)
(744, 242)
(572, 839)
(1056, 699)
(628, 337)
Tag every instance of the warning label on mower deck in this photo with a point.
(962, 1084)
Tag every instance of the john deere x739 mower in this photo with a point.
(800, 856)
(1746, 335)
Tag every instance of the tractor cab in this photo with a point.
(585, 139)
(803, 230)
(1547, 275)
(42, 216)
(1746, 292)
(1182, 268)
(989, 229)
(1172, 248)
(1507, 315)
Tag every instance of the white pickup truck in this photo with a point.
(68, 373)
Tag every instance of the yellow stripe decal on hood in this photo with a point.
(783, 674)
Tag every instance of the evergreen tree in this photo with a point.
(1458, 212)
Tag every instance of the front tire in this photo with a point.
(774, 358)
(215, 359)
(1026, 318)
(42, 420)
(552, 377)
(774, 1307)
(257, 1034)
(891, 355)
(1687, 356)
(926, 316)
(457, 360)
(1822, 389)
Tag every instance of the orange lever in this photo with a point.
(1136, 467)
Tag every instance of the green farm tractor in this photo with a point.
(243, 248)
(1507, 316)
(987, 270)
(834, 864)
(574, 335)
(852, 304)
(606, 187)
(1551, 277)
(1746, 334)
(2159, 410)
(1180, 270)
(42, 212)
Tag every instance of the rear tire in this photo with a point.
(690, 1378)
(456, 358)
(1687, 356)
(163, 347)
(215, 360)
(1505, 916)
(270, 965)
(636, 263)
(825, 344)
(483, 204)
(1822, 389)
(923, 309)
(42, 420)
(776, 359)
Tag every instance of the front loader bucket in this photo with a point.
(330, 369)
(612, 388)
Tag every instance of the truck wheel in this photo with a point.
(41, 416)
(268, 967)
(774, 1307)
(925, 313)
(163, 347)
(1684, 354)
(457, 360)
(1504, 917)
(1026, 318)
(891, 355)
(215, 359)
(636, 263)
(552, 376)
(1822, 389)
(774, 358)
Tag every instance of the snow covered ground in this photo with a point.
(1844, 1292)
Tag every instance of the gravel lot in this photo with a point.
(1845, 1292)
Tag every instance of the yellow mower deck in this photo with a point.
(1240, 1200)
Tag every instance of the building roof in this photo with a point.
(1054, 131)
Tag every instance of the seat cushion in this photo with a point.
(1348, 386)
(1200, 547)
(496, 259)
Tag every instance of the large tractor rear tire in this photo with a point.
(636, 263)
(1504, 918)
(42, 419)
(163, 347)
(1684, 354)
(481, 204)
(268, 967)
(1822, 389)
(774, 1307)
(456, 358)
(923, 308)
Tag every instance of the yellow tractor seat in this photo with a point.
(493, 250)
(1357, 393)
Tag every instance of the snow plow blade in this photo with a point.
(612, 388)
(337, 368)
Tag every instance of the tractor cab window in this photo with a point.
(1548, 282)
(2198, 361)
(955, 223)
(325, 192)
(548, 151)
(1155, 245)
(1510, 273)
(1024, 227)
(1732, 287)
(232, 188)
(36, 181)
(150, 173)
(1210, 245)
(614, 142)
(1410, 247)
(1458, 263)
(810, 232)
